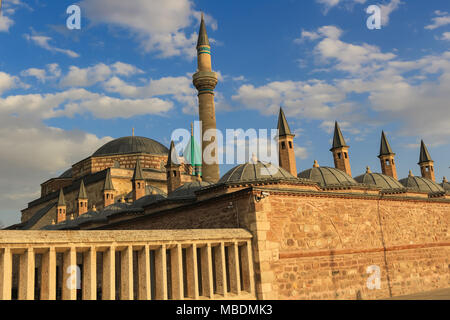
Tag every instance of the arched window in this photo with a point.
(290, 144)
(346, 155)
(283, 145)
(387, 162)
(339, 155)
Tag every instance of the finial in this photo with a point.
(368, 170)
(53, 221)
(254, 158)
(316, 164)
(444, 179)
(192, 129)
(71, 217)
(122, 199)
(203, 16)
(410, 174)
(94, 208)
(132, 132)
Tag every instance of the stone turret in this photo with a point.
(386, 157)
(426, 163)
(82, 200)
(286, 154)
(340, 151)
(108, 190)
(61, 207)
(173, 170)
(138, 182)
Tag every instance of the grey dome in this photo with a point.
(187, 190)
(131, 145)
(421, 184)
(327, 176)
(255, 171)
(380, 180)
(149, 190)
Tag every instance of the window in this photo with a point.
(339, 155)
(387, 162)
(283, 145)
(174, 173)
(290, 144)
(168, 174)
(346, 155)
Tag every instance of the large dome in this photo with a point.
(254, 171)
(380, 180)
(131, 145)
(327, 176)
(421, 184)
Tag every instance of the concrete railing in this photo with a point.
(109, 265)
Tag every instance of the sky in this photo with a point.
(64, 93)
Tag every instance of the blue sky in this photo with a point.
(64, 93)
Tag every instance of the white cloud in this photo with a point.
(387, 9)
(445, 36)
(160, 26)
(441, 19)
(301, 152)
(43, 42)
(5, 23)
(52, 71)
(7, 82)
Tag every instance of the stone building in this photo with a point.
(314, 232)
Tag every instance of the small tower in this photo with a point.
(340, 151)
(138, 182)
(82, 200)
(386, 157)
(426, 163)
(205, 81)
(286, 154)
(108, 190)
(173, 170)
(61, 207)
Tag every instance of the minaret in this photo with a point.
(108, 190)
(61, 207)
(205, 81)
(425, 163)
(138, 182)
(340, 151)
(173, 170)
(286, 154)
(82, 200)
(387, 158)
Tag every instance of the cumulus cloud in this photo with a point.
(44, 42)
(160, 26)
(52, 71)
(406, 91)
(7, 82)
(441, 19)
(387, 9)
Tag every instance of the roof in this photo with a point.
(283, 126)
(66, 174)
(108, 185)
(37, 216)
(82, 193)
(149, 190)
(138, 174)
(187, 190)
(380, 180)
(202, 35)
(424, 154)
(255, 171)
(61, 200)
(172, 159)
(338, 138)
(131, 144)
(385, 148)
(327, 176)
(421, 184)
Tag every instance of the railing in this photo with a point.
(141, 264)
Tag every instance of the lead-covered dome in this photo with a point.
(379, 180)
(421, 184)
(327, 176)
(255, 171)
(187, 190)
(131, 145)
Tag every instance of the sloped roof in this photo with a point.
(385, 148)
(338, 138)
(424, 154)
(283, 126)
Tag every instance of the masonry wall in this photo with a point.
(322, 246)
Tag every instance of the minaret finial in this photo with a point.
(316, 164)
(410, 174)
(132, 132)
(192, 129)
(368, 170)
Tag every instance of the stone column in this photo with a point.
(26, 276)
(176, 259)
(221, 273)
(109, 274)
(70, 275)
(207, 274)
(233, 265)
(90, 274)
(161, 273)
(126, 274)
(48, 275)
(248, 277)
(144, 292)
(5, 274)
(192, 271)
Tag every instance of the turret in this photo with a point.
(426, 163)
(340, 151)
(61, 207)
(138, 182)
(386, 157)
(286, 154)
(173, 170)
(82, 200)
(205, 80)
(108, 190)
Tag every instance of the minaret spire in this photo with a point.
(386, 157)
(286, 154)
(340, 151)
(205, 80)
(426, 163)
(173, 169)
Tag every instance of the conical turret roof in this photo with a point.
(172, 160)
(138, 174)
(338, 139)
(424, 154)
(283, 126)
(108, 185)
(82, 192)
(385, 148)
(61, 200)
(202, 35)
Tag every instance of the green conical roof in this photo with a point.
(202, 35)
(138, 174)
(385, 148)
(82, 192)
(283, 126)
(193, 153)
(108, 185)
(338, 139)
(424, 154)
(61, 200)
